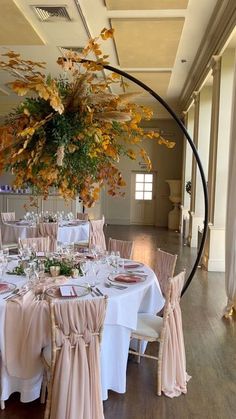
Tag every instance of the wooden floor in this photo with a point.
(210, 347)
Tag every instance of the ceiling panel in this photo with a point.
(147, 42)
(15, 28)
(146, 4)
(156, 81)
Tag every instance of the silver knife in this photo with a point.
(99, 292)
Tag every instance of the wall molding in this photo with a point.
(218, 31)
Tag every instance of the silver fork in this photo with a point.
(118, 287)
(14, 292)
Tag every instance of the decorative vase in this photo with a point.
(175, 198)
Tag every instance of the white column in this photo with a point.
(186, 173)
(223, 70)
(201, 139)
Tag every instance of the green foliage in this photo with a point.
(65, 266)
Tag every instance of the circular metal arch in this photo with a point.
(195, 153)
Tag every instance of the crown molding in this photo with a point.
(219, 29)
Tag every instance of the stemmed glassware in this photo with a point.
(113, 260)
(32, 276)
(3, 266)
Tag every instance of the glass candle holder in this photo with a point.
(55, 270)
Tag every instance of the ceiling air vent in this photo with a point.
(52, 13)
(74, 49)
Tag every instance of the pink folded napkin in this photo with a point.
(90, 256)
(131, 265)
(128, 278)
(4, 287)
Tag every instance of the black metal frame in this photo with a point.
(196, 155)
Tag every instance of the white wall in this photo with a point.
(168, 165)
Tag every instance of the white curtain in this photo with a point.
(230, 239)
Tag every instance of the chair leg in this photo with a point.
(159, 368)
(139, 351)
(2, 404)
(43, 390)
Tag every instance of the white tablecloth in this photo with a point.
(67, 233)
(73, 233)
(121, 318)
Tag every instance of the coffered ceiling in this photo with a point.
(156, 41)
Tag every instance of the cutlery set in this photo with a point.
(96, 292)
(118, 287)
(18, 292)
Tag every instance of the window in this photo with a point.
(143, 186)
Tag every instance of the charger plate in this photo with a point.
(79, 291)
(6, 287)
(126, 278)
(130, 264)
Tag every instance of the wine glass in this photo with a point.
(84, 267)
(95, 267)
(116, 260)
(39, 268)
(3, 266)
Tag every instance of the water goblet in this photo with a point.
(116, 260)
(27, 271)
(3, 266)
(39, 269)
(84, 266)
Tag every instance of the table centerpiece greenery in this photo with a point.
(70, 132)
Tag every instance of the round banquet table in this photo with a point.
(69, 232)
(121, 317)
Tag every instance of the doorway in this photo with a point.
(143, 186)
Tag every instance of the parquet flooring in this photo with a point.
(210, 347)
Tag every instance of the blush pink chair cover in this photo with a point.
(27, 330)
(123, 246)
(8, 216)
(76, 392)
(51, 230)
(39, 244)
(164, 268)
(173, 368)
(7, 235)
(96, 235)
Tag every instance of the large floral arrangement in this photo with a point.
(72, 132)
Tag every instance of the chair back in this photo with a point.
(164, 268)
(96, 234)
(82, 216)
(7, 216)
(123, 246)
(39, 244)
(172, 376)
(49, 230)
(76, 330)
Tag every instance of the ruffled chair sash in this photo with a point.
(51, 230)
(76, 391)
(96, 237)
(173, 374)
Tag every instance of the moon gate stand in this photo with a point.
(195, 153)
